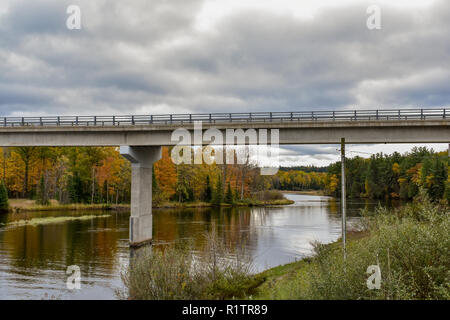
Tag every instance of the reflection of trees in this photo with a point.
(230, 225)
(333, 207)
(89, 244)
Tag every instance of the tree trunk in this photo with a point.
(107, 192)
(25, 182)
(93, 185)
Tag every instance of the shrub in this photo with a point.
(410, 245)
(268, 195)
(176, 273)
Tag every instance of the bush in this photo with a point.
(268, 195)
(175, 273)
(410, 245)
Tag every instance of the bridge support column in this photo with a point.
(142, 160)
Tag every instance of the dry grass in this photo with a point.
(51, 220)
(21, 205)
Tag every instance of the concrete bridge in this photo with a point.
(141, 137)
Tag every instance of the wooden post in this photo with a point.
(343, 198)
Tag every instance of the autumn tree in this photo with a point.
(28, 156)
(166, 175)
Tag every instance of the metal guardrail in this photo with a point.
(344, 115)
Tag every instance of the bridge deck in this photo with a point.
(357, 127)
(228, 118)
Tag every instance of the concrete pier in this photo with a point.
(142, 160)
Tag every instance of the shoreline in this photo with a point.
(19, 206)
(305, 192)
(278, 278)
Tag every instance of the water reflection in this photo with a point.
(33, 259)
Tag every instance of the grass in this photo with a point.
(51, 220)
(280, 282)
(306, 192)
(410, 246)
(25, 205)
(238, 203)
(176, 273)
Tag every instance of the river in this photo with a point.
(34, 256)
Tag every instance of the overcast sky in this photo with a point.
(180, 56)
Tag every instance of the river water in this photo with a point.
(34, 256)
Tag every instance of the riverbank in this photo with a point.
(320, 193)
(409, 245)
(24, 205)
(243, 203)
(278, 283)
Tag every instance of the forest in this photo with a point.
(395, 176)
(101, 175)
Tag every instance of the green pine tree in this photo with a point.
(447, 192)
(208, 190)
(4, 204)
(437, 189)
(218, 192)
(229, 195)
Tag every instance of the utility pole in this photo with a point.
(343, 198)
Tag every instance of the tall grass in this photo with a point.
(410, 245)
(268, 195)
(177, 273)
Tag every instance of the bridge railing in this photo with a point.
(124, 120)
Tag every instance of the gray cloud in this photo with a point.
(147, 54)
(149, 57)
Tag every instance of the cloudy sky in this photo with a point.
(180, 56)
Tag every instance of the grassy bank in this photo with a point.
(281, 282)
(410, 245)
(243, 203)
(24, 205)
(305, 192)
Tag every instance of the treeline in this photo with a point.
(69, 175)
(305, 169)
(214, 183)
(102, 175)
(298, 180)
(394, 176)
(381, 176)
